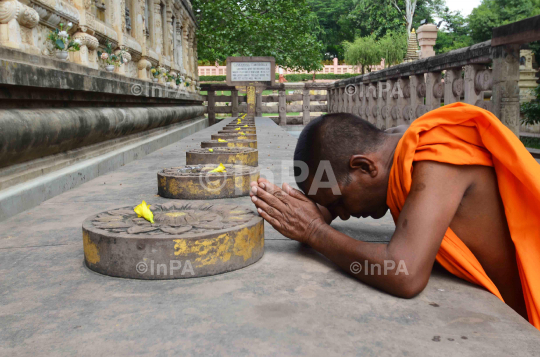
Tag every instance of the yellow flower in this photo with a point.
(245, 126)
(237, 129)
(153, 70)
(143, 210)
(221, 140)
(220, 168)
(211, 150)
(242, 133)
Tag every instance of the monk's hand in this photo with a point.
(287, 210)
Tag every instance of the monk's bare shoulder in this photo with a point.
(400, 129)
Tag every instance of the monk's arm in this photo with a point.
(436, 192)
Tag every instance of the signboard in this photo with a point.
(251, 71)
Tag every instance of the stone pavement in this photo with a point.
(292, 302)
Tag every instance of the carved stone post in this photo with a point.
(234, 103)
(364, 97)
(434, 90)
(372, 103)
(403, 107)
(391, 102)
(418, 92)
(471, 95)
(506, 85)
(381, 95)
(258, 104)
(345, 100)
(13, 15)
(453, 86)
(306, 101)
(356, 101)
(282, 107)
(329, 100)
(211, 97)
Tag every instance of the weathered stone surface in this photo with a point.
(64, 129)
(203, 238)
(196, 182)
(238, 156)
(230, 144)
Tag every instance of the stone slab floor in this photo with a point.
(292, 302)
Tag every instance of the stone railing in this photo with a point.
(153, 32)
(284, 103)
(485, 74)
(328, 68)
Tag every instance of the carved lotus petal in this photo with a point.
(141, 229)
(173, 230)
(108, 219)
(110, 225)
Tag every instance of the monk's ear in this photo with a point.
(364, 164)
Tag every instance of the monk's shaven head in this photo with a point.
(335, 137)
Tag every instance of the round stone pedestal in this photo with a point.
(234, 136)
(232, 131)
(187, 240)
(229, 144)
(237, 156)
(196, 182)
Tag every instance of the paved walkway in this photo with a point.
(292, 302)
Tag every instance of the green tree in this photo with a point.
(337, 25)
(364, 51)
(393, 47)
(531, 110)
(284, 29)
(494, 13)
(454, 32)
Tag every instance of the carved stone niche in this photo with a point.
(17, 21)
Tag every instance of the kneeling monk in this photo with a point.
(461, 187)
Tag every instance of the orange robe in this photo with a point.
(463, 134)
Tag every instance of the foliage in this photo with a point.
(393, 47)
(337, 25)
(158, 72)
(284, 29)
(494, 13)
(61, 40)
(531, 110)
(530, 142)
(454, 32)
(364, 51)
(343, 20)
(111, 58)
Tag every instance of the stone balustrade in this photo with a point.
(154, 32)
(485, 74)
(284, 103)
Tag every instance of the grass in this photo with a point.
(529, 142)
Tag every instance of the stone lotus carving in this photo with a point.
(87, 40)
(174, 218)
(12, 9)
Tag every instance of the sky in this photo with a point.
(465, 6)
